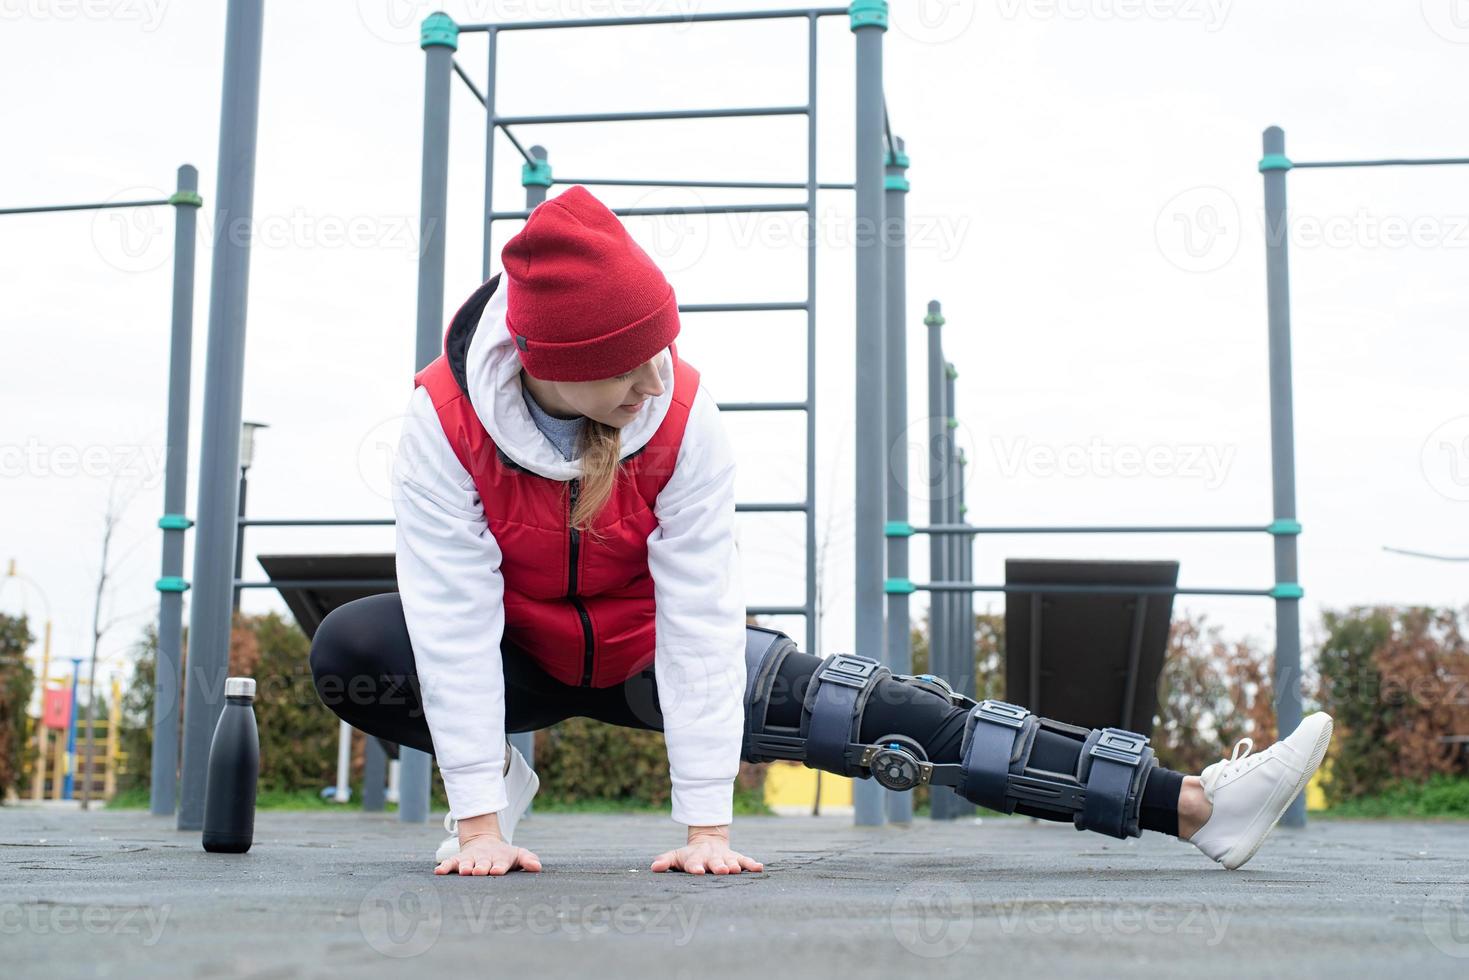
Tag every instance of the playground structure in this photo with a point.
(882, 575)
(61, 761)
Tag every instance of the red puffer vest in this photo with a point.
(580, 607)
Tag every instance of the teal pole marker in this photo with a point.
(1284, 526)
(175, 522)
(1275, 161)
(536, 174)
(896, 181)
(171, 583)
(898, 529)
(1287, 590)
(868, 13)
(893, 585)
(439, 30)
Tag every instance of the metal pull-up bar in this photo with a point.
(171, 585)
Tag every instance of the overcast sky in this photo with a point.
(1084, 203)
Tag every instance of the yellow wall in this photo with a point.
(791, 787)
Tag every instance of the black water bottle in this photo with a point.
(234, 762)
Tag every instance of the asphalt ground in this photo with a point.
(124, 894)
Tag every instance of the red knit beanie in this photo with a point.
(583, 301)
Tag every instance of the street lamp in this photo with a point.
(247, 456)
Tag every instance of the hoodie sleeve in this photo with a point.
(700, 621)
(448, 566)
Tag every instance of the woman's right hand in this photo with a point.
(487, 854)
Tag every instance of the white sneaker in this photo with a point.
(521, 785)
(1251, 792)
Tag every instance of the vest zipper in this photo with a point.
(586, 622)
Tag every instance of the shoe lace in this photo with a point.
(1238, 760)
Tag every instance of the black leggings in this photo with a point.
(362, 661)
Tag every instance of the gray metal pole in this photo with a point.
(868, 27)
(167, 668)
(536, 179)
(941, 798)
(963, 679)
(1274, 167)
(224, 380)
(895, 244)
(812, 600)
(947, 805)
(439, 39)
(493, 38)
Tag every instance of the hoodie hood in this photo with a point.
(489, 372)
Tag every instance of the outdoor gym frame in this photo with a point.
(875, 257)
(950, 571)
(186, 202)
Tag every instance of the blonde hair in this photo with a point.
(601, 463)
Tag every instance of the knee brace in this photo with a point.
(1104, 794)
(829, 735)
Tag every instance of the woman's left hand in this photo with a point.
(708, 850)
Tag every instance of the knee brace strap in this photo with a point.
(832, 712)
(997, 736)
(1114, 765)
(1104, 795)
(829, 733)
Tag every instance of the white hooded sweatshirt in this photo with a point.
(449, 579)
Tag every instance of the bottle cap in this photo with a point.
(239, 687)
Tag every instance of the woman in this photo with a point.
(564, 493)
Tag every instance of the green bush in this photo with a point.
(1395, 681)
(17, 681)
